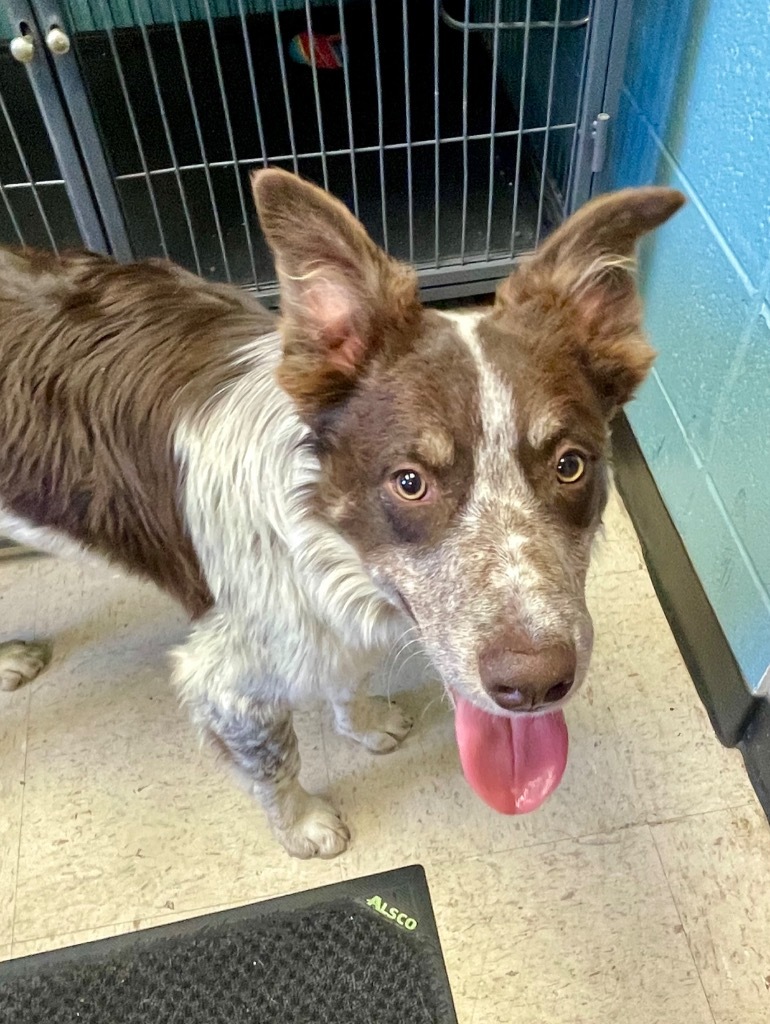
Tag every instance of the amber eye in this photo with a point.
(570, 467)
(409, 485)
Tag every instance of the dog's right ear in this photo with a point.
(342, 299)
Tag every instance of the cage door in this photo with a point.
(45, 197)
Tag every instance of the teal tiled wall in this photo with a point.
(695, 113)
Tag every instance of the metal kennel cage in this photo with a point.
(459, 131)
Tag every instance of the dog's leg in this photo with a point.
(375, 722)
(257, 737)
(260, 741)
(21, 661)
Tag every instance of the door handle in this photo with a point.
(57, 41)
(22, 48)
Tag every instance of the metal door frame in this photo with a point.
(609, 25)
(66, 111)
(609, 28)
(52, 111)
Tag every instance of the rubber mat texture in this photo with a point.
(336, 964)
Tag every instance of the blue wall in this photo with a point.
(695, 113)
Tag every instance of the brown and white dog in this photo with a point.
(314, 488)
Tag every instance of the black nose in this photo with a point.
(521, 677)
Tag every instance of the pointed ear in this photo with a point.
(585, 272)
(342, 298)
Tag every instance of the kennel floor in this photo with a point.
(640, 892)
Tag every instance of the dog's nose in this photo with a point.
(521, 677)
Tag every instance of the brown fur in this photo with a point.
(102, 363)
(99, 360)
(372, 371)
(430, 389)
(344, 302)
(576, 303)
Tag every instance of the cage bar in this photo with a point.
(519, 140)
(457, 135)
(30, 181)
(137, 135)
(348, 105)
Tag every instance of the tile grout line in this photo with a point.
(681, 922)
(694, 195)
(584, 836)
(23, 780)
(475, 1006)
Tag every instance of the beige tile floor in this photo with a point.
(640, 894)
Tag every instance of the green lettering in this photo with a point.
(391, 913)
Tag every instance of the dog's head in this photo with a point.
(464, 455)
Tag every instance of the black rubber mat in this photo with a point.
(361, 952)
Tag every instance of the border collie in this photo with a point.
(317, 487)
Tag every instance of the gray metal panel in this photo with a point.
(59, 132)
(602, 17)
(49, 15)
(616, 63)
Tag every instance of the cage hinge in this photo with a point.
(599, 130)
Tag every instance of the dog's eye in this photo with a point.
(570, 467)
(409, 485)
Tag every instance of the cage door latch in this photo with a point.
(599, 129)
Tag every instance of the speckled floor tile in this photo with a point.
(718, 867)
(18, 615)
(13, 728)
(665, 739)
(617, 548)
(569, 933)
(139, 820)
(562, 916)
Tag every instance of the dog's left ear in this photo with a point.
(583, 277)
(342, 298)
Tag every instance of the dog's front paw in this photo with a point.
(20, 662)
(318, 832)
(375, 722)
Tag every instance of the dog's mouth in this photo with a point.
(513, 762)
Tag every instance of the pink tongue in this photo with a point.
(512, 763)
